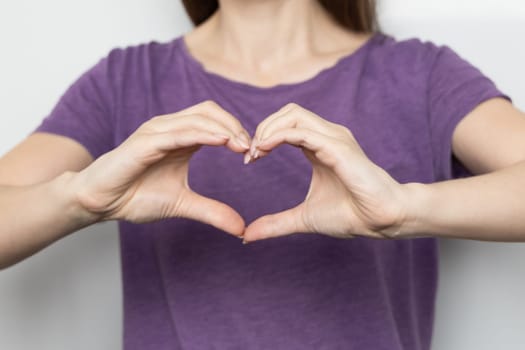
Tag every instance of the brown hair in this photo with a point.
(356, 15)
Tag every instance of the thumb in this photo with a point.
(276, 225)
(210, 211)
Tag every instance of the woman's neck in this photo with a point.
(273, 30)
(259, 39)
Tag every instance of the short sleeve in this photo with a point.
(84, 112)
(455, 87)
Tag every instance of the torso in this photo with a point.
(195, 284)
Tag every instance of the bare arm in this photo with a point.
(349, 195)
(37, 205)
(490, 141)
(34, 216)
(50, 186)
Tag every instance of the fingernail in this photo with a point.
(252, 147)
(257, 154)
(244, 242)
(247, 158)
(241, 141)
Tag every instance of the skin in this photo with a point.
(349, 195)
(264, 43)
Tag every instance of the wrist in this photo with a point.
(415, 206)
(418, 209)
(68, 186)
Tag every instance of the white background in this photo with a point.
(69, 295)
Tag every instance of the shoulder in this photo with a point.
(411, 50)
(146, 58)
(417, 65)
(150, 49)
(412, 57)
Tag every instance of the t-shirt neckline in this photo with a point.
(230, 83)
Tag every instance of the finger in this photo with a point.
(150, 148)
(295, 116)
(306, 138)
(249, 158)
(213, 110)
(327, 149)
(201, 122)
(275, 225)
(262, 125)
(272, 117)
(210, 211)
(173, 140)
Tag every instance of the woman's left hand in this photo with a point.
(348, 195)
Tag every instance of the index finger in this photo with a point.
(213, 110)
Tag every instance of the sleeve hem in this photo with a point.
(447, 153)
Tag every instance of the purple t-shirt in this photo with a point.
(190, 286)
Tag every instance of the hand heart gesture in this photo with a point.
(348, 195)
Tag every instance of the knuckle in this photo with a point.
(344, 130)
(163, 116)
(292, 106)
(152, 120)
(341, 128)
(148, 125)
(209, 104)
(157, 118)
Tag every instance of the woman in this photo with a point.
(384, 128)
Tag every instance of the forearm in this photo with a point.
(32, 217)
(486, 207)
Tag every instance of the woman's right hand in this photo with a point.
(146, 177)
